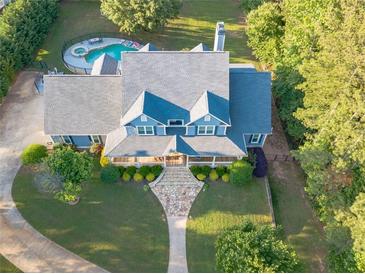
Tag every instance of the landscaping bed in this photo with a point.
(116, 226)
(221, 205)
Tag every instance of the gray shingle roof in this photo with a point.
(105, 65)
(85, 104)
(178, 77)
(250, 101)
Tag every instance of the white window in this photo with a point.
(143, 118)
(255, 138)
(175, 122)
(67, 139)
(95, 139)
(206, 130)
(145, 130)
(207, 118)
(57, 139)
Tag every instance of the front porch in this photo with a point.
(175, 160)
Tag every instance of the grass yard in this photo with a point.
(7, 267)
(196, 23)
(293, 211)
(221, 206)
(116, 226)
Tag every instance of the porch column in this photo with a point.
(164, 161)
(213, 163)
(187, 161)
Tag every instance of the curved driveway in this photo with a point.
(21, 123)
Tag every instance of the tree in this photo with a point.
(355, 220)
(33, 154)
(73, 166)
(135, 15)
(334, 89)
(252, 248)
(265, 32)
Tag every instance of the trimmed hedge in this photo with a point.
(109, 174)
(23, 26)
(240, 172)
(144, 170)
(126, 177)
(213, 175)
(225, 178)
(156, 170)
(201, 177)
(33, 154)
(150, 177)
(131, 170)
(138, 177)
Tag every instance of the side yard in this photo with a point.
(293, 212)
(221, 206)
(119, 227)
(195, 24)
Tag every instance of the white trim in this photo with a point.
(258, 139)
(225, 130)
(205, 131)
(182, 125)
(68, 136)
(145, 130)
(93, 141)
(143, 118)
(207, 118)
(228, 125)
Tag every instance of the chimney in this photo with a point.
(219, 37)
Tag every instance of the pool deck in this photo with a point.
(80, 64)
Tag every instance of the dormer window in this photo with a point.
(143, 118)
(255, 138)
(206, 130)
(175, 122)
(207, 118)
(145, 130)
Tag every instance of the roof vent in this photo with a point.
(219, 37)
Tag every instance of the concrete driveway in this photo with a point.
(21, 123)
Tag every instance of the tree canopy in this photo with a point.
(253, 248)
(135, 15)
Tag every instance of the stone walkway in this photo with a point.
(21, 123)
(177, 191)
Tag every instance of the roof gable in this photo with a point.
(105, 65)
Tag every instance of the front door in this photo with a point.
(176, 160)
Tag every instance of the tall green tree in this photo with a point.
(135, 15)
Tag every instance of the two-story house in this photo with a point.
(166, 107)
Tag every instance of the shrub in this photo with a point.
(109, 174)
(121, 170)
(150, 177)
(206, 170)
(240, 172)
(251, 248)
(205, 187)
(195, 170)
(225, 177)
(201, 177)
(144, 170)
(131, 170)
(156, 170)
(146, 188)
(33, 154)
(71, 191)
(220, 170)
(71, 165)
(213, 175)
(96, 149)
(138, 177)
(104, 161)
(126, 177)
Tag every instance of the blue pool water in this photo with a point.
(112, 50)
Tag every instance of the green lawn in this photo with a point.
(196, 23)
(221, 206)
(116, 226)
(293, 211)
(7, 267)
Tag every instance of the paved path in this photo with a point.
(177, 191)
(21, 123)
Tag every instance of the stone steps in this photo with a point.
(178, 176)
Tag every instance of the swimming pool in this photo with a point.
(112, 50)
